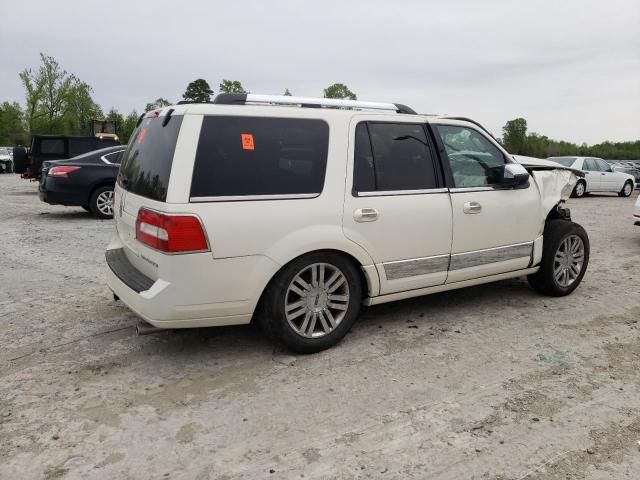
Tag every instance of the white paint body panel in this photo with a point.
(251, 240)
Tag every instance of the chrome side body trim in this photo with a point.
(416, 266)
(383, 193)
(473, 189)
(244, 198)
(490, 255)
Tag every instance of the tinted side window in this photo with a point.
(114, 157)
(78, 146)
(393, 156)
(52, 146)
(474, 160)
(243, 156)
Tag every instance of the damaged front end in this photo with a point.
(554, 181)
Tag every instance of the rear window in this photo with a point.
(146, 164)
(566, 161)
(257, 156)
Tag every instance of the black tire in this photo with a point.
(272, 316)
(579, 192)
(86, 208)
(96, 197)
(555, 232)
(627, 185)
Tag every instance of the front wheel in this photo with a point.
(627, 189)
(313, 302)
(580, 189)
(565, 256)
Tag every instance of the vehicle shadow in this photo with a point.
(71, 215)
(429, 310)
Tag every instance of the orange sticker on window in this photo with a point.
(143, 132)
(247, 141)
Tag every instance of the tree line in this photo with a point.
(518, 141)
(57, 101)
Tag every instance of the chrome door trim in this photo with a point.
(244, 198)
(487, 256)
(415, 266)
(474, 189)
(386, 193)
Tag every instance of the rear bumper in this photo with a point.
(49, 191)
(225, 292)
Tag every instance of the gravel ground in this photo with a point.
(491, 382)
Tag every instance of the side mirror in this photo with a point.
(513, 175)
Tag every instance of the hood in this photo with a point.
(555, 181)
(533, 163)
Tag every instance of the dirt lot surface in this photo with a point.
(492, 382)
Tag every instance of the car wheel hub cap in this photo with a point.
(105, 203)
(316, 300)
(627, 189)
(569, 260)
(580, 189)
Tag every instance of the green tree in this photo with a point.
(198, 91)
(128, 126)
(56, 100)
(286, 93)
(514, 136)
(12, 127)
(339, 90)
(157, 103)
(34, 86)
(231, 86)
(80, 109)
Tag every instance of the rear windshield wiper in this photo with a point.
(167, 118)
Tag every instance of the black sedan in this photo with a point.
(85, 181)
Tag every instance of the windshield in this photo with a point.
(566, 161)
(146, 164)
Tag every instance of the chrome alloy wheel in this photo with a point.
(569, 260)
(316, 300)
(579, 189)
(628, 188)
(104, 202)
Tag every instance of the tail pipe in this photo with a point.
(144, 328)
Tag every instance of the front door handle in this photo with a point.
(472, 207)
(365, 215)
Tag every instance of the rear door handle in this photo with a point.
(472, 207)
(365, 215)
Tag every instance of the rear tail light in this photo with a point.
(61, 172)
(170, 233)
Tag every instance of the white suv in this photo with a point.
(296, 211)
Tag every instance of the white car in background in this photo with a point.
(599, 176)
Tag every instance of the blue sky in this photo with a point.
(570, 67)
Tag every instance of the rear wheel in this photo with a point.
(101, 203)
(627, 189)
(313, 302)
(580, 189)
(565, 256)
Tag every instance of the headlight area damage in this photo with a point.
(554, 181)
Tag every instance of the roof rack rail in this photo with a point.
(188, 102)
(309, 102)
